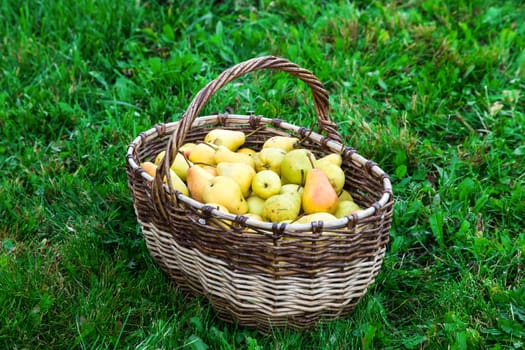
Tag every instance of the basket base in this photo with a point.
(260, 300)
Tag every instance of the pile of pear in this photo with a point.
(281, 182)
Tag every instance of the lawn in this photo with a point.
(431, 90)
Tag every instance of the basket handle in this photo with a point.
(320, 97)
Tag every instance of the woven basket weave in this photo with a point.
(262, 274)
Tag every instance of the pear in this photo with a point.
(269, 159)
(255, 204)
(345, 196)
(186, 148)
(209, 169)
(296, 165)
(223, 154)
(197, 178)
(247, 150)
(318, 195)
(287, 143)
(176, 182)
(335, 174)
(254, 216)
(149, 167)
(292, 188)
(218, 206)
(159, 158)
(203, 153)
(231, 139)
(345, 208)
(225, 191)
(334, 158)
(242, 173)
(219, 222)
(266, 183)
(321, 216)
(282, 207)
(180, 164)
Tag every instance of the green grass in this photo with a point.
(431, 90)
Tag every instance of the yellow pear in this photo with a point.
(218, 207)
(186, 148)
(223, 154)
(318, 195)
(242, 173)
(345, 208)
(287, 143)
(254, 216)
(159, 158)
(345, 196)
(220, 222)
(269, 159)
(180, 164)
(296, 165)
(247, 150)
(203, 153)
(282, 207)
(255, 204)
(266, 183)
(335, 174)
(149, 167)
(232, 139)
(334, 158)
(225, 191)
(209, 169)
(176, 182)
(321, 216)
(197, 178)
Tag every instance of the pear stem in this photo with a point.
(310, 159)
(210, 145)
(255, 131)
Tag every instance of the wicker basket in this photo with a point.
(261, 274)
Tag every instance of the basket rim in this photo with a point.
(314, 136)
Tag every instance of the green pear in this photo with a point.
(292, 188)
(269, 159)
(266, 183)
(223, 154)
(242, 173)
(335, 174)
(344, 195)
(282, 207)
(286, 143)
(203, 153)
(296, 165)
(232, 139)
(321, 216)
(345, 208)
(318, 195)
(197, 178)
(255, 204)
(225, 191)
